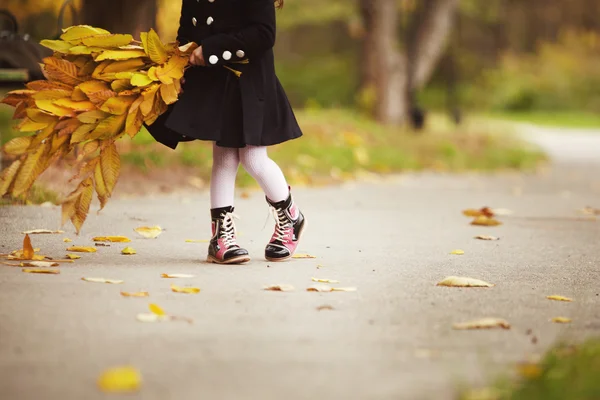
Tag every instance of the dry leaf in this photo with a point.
(149, 317)
(461, 281)
(41, 232)
(328, 289)
(112, 239)
(457, 252)
(324, 280)
(344, 289)
(590, 211)
(128, 251)
(559, 298)
(561, 320)
(279, 288)
(39, 264)
(103, 280)
(135, 294)
(485, 221)
(42, 271)
(27, 248)
(486, 237)
(173, 276)
(485, 323)
(73, 257)
(482, 212)
(156, 309)
(80, 249)
(120, 380)
(197, 241)
(303, 256)
(149, 232)
(186, 290)
(325, 308)
(67, 240)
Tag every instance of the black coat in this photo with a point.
(215, 104)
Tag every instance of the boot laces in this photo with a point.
(228, 230)
(282, 223)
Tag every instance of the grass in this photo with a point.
(566, 119)
(566, 372)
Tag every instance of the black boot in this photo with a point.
(289, 225)
(223, 248)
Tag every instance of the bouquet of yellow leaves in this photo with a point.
(99, 88)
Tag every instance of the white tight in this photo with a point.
(256, 162)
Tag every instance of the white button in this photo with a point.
(210, 20)
(240, 53)
(194, 21)
(213, 60)
(227, 56)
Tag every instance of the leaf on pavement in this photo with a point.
(112, 239)
(486, 237)
(73, 257)
(156, 309)
(561, 320)
(174, 276)
(128, 251)
(279, 288)
(197, 241)
(120, 380)
(344, 289)
(328, 289)
(135, 294)
(149, 317)
(81, 249)
(303, 256)
(457, 252)
(52, 271)
(485, 221)
(67, 240)
(41, 232)
(325, 307)
(485, 323)
(559, 298)
(39, 264)
(186, 290)
(460, 281)
(324, 280)
(27, 248)
(482, 212)
(149, 232)
(103, 280)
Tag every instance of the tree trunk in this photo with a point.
(121, 16)
(383, 64)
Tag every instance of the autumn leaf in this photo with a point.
(82, 249)
(325, 307)
(186, 290)
(73, 257)
(197, 240)
(485, 221)
(49, 271)
(176, 276)
(67, 240)
(149, 232)
(27, 248)
(459, 281)
(156, 309)
(482, 212)
(120, 55)
(303, 256)
(103, 280)
(457, 252)
(113, 239)
(328, 289)
(559, 298)
(485, 323)
(108, 40)
(279, 288)
(135, 294)
(486, 237)
(128, 251)
(120, 380)
(39, 264)
(18, 146)
(324, 280)
(41, 232)
(561, 320)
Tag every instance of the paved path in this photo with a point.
(392, 339)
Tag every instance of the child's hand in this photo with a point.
(197, 58)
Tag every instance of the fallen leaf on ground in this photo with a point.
(148, 317)
(156, 309)
(41, 232)
(324, 280)
(186, 290)
(52, 271)
(103, 280)
(327, 289)
(485, 221)
(80, 249)
(486, 237)
(559, 298)
(39, 264)
(67, 240)
(303, 256)
(28, 251)
(197, 241)
(135, 294)
(482, 212)
(325, 307)
(457, 252)
(149, 232)
(120, 380)
(128, 251)
(279, 288)
(462, 281)
(590, 211)
(173, 276)
(344, 289)
(561, 320)
(73, 257)
(112, 239)
(485, 323)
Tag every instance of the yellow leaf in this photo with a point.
(187, 290)
(109, 127)
(8, 177)
(135, 64)
(42, 232)
(303, 256)
(103, 280)
(134, 120)
(169, 93)
(326, 289)
(113, 239)
(135, 294)
(92, 117)
(39, 264)
(149, 232)
(63, 71)
(457, 252)
(559, 298)
(155, 309)
(485, 221)
(128, 251)
(175, 276)
(146, 317)
(344, 289)
(561, 320)
(173, 69)
(197, 240)
(34, 165)
(126, 75)
(139, 79)
(280, 288)
(77, 33)
(111, 166)
(118, 105)
(100, 186)
(51, 271)
(82, 133)
(120, 55)
(149, 95)
(27, 248)
(120, 380)
(482, 212)
(80, 249)
(486, 237)
(108, 40)
(485, 323)
(41, 116)
(121, 85)
(75, 105)
(31, 126)
(155, 48)
(73, 257)
(85, 50)
(77, 205)
(57, 45)
(459, 281)
(152, 74)
(49, 106)
(18, 145)
(78, 95)
(188, 49)
(324, 280)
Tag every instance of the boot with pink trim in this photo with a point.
(289, 225)
(223, 248)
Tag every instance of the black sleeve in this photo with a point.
(185, 25)
(257, 36)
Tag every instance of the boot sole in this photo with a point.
(234, 260)
(291, 255)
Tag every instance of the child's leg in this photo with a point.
(226, 162)
(266, 172)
